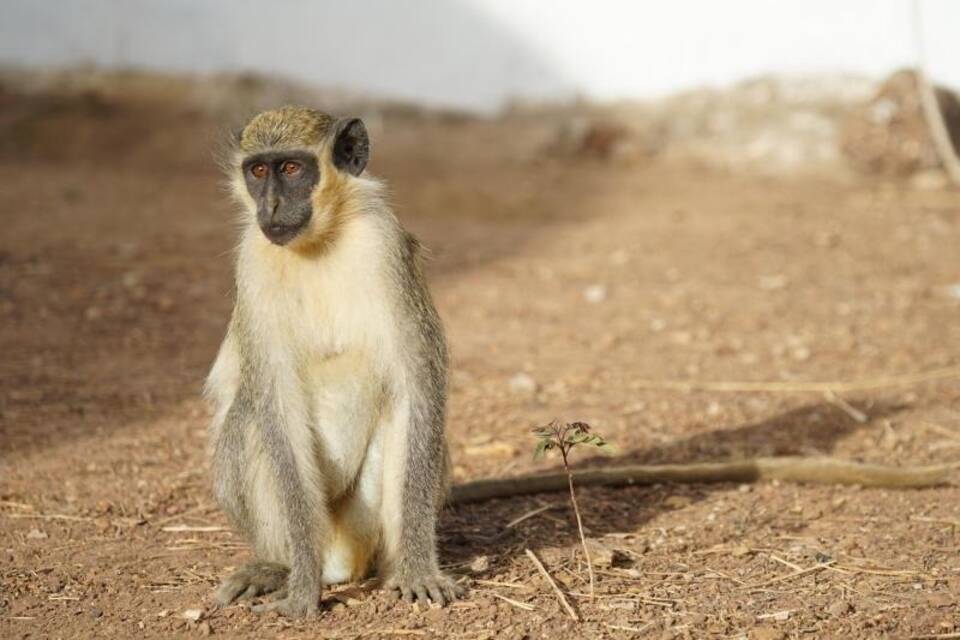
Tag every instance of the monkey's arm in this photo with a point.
(815, 470)
(287, 445)
(232, 410)
(415, 484)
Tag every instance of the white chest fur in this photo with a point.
(326, 325)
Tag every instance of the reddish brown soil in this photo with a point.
(115, 290)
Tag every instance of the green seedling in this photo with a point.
(564, 437)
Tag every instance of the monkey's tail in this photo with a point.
(806, 470)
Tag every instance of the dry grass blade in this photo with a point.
(184, 528)
(509, 585)
(855, 414)
(519, 605)
(792, 576)
(46, 516)
(528, 515)
(560, 596)
(952, 523)
(622, 627)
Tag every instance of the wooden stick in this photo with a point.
(812, 470)
(931, 106)
(562, 598)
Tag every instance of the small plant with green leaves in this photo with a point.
(564, 436)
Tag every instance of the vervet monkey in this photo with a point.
(329, 389)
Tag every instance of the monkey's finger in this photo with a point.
(228, 592)
(266, 607)
(252, 592)
(407, 594)
(453, 590)
(287, 607)
(281, 594)
(436, 594)
(422, 594)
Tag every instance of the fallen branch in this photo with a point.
(805, 470)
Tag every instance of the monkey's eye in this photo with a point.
(259, 170)
(291, 168)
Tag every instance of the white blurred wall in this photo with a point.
(479, 53)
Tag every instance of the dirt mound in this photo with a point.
(888, 134)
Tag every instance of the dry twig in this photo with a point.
(560, 596)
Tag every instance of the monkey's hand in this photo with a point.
(436, 587)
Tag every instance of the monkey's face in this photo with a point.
(294, 159)
(280, 184)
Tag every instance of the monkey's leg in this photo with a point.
(413, 485)
(288, 445)
(252, 580)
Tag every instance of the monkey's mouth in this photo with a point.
(281, 234)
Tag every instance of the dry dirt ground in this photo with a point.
(564, 285)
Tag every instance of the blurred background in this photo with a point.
(664, 219)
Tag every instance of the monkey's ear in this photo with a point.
(351, 149)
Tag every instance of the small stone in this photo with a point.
(677, 502)
(54, 584)
(193, 614)
(96, 613)
(600, 554)
(480, 564)
(523, 382)
(800, 353)
(773, 282)
(595, 294)
(205, 629)
(839, 607)
(952, 291)
(36, 534)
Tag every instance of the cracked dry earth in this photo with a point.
(563, 286)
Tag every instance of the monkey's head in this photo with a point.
(292, 169)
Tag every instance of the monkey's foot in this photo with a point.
(251, 580)
(437, 587)
(291, 606)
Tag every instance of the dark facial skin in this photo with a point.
(280, 183)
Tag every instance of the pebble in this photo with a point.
(522, 383)
(193, 614)
(839, 607)
(595, 294)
